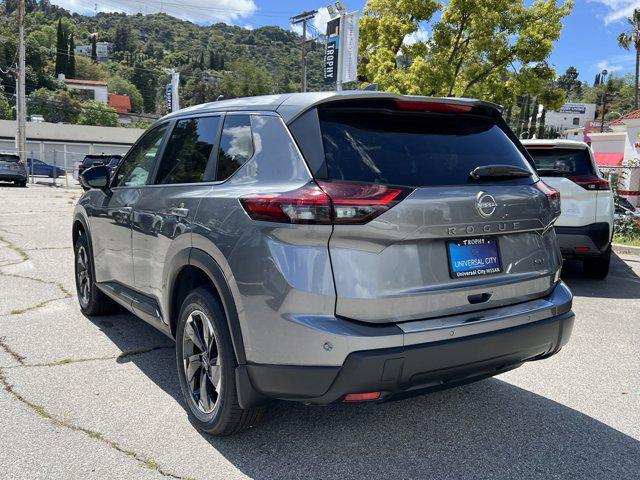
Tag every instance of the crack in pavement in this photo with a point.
(143, 460)
(16, 356)
(25, 257)
(67, 361)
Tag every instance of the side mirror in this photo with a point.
(95, 177)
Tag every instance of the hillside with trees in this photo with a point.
(216, 60)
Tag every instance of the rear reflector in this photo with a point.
(552, 194)
(582, 249)
(436, 107)
(591, 182)
(325, 203)
(362, 397)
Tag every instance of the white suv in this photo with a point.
(585, 226)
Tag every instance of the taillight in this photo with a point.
(552, 194)
(591, 182)
(328, 203)
(436, 107)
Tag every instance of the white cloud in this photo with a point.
(609, 67)
(318, 24)
(617, 9)
(419, 35)
(197, 11)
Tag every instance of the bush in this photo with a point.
(627, 230)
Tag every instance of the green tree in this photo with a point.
(631, 38)
(478, 48)
(570, 83)
(121, 86)
(96, 113)
(6, 112)
(245, 80)
(88, 70)
(62, 49)
(71, 62)
(55, 106)
(94, 49)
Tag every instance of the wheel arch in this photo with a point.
(192, 268)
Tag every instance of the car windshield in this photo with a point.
(413, 150)
(561, 162)
(9, 158)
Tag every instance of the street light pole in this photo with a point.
(21, 114)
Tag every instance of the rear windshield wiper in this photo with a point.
(499, 171)
(552, 172)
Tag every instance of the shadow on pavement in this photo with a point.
(622, 281)
(490, 429)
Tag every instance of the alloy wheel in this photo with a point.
(82, 276)
(201, 362)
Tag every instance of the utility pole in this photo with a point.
(604, 89)
(303, 18)
(21, 116)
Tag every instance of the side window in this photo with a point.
(236, 145)
(136, 168)
(188, 151)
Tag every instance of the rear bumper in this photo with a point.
(596, 238)
(12, 176)
(420, 367)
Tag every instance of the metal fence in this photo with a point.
(65, 155)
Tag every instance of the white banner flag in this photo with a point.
(350, 47)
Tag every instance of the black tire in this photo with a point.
(21, 183)
(598, 267)
(217, 412)
(93, 302)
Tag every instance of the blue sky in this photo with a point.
(588, 40)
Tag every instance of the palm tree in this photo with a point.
(632, 38)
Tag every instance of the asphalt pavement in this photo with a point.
(99, 397)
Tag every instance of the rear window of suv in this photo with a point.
(9, 158)
(411, 149)
(560, 162)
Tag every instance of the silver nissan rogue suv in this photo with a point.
(327, 247)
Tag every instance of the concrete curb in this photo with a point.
(626, 249)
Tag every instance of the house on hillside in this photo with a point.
(87, 89)
(103, 49)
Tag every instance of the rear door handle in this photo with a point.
(125, 210)
(179, 211)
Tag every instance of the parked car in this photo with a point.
(326, 248)
(38, 167)
(96, 159)
(585, 227)
(12, 169)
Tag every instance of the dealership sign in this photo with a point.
(574, 108)
(331, 51)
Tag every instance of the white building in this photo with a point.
(87, 89)
(103, 49)
(571, 116)
(617, 153)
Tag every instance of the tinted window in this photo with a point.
(412, 149)
(136, 168)
(9, 158)
(188, 151)
(561, 162)
(90, 160)
(236, 145)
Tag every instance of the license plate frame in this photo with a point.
(490, 248)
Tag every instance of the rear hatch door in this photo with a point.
(570, 171)
(453, 244)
